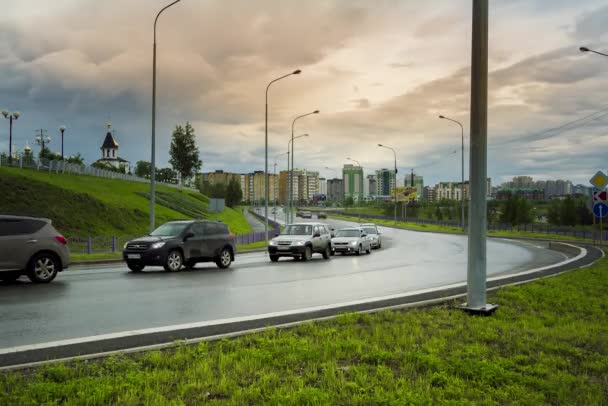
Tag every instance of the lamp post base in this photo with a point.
(486, 310)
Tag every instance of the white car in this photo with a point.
(373, 234)
(351, 241)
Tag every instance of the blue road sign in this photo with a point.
(600, 209)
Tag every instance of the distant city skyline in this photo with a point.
(92, 63)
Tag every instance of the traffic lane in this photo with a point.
(83, 303)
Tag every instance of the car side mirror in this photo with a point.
(315, 235)
(363, 235)
(188, 236)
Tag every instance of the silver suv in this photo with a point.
(373, 234)
(300, 241)
(33, 247)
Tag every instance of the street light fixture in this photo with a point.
(153, 157)
(266, 192)
(42, 140)
(585, 49)
(395, 187)
(62, 129)
(293, 123)
(289, 148)
(462, 169)
(10, 116)
(275, 181)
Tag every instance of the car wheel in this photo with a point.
(307, 256)
(327, 252)
(43, 268)
(225, 259)
(368, 250)
(174, 261)
(9, 277)
(274, 258)
(360, 250)
(135, 266)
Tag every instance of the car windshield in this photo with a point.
(297, 229)
(348, 233)
(370, 230)
(169, 230)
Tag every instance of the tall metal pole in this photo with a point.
(153, 152)
(476, 271)
(462, 223)
(62, 129)
(266, 187)
(293, 123)
(10, 140)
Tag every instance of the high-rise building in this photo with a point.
(353, 181)
(335, 190)
(385, 181)
(323, 186)
(370, 185)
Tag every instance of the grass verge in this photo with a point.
(82, 205)
(546, 344)
(456, 230)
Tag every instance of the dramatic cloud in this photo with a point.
(379, 72)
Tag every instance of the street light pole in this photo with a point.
(395, 187)
(293, 123)
(275, 182)
(266, 188)
(10, 116)
(62, 129)
(462, 168)
(585, 49)
(477, 250)
(289, 149)
(153, 152)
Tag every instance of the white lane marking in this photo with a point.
(177, 327)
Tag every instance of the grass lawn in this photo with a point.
(456, 230)
(85, 205)
(546, 344)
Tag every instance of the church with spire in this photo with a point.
(109, 152)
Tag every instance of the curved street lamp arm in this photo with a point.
(158, 15)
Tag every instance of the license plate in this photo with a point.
(283, 248)
(134, 256)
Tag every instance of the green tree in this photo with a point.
(349, 201)
(143, 169)
(46, 153)
(184, 154)
(234, 194)
(567, 212)
(166, 175)
(76, 159)
(553, 213)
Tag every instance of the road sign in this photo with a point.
(599, 195)
(600, 209)
(599, 180)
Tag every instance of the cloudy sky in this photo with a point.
(378, 71)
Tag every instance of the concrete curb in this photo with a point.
(133, 341)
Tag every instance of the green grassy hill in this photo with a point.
(86, 205)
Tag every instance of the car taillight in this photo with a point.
(232, 236)
(61, 239)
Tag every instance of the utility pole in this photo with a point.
(476, 265)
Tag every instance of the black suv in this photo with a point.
(181, 243)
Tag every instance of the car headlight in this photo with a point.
(299, 242)
(157, 245)
(273, 242)
(124, 247)
(353, 243)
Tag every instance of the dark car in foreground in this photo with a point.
(33, 247)
(182, 243)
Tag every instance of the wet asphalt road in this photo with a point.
(105, 299)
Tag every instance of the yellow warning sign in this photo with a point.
(599, 180)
